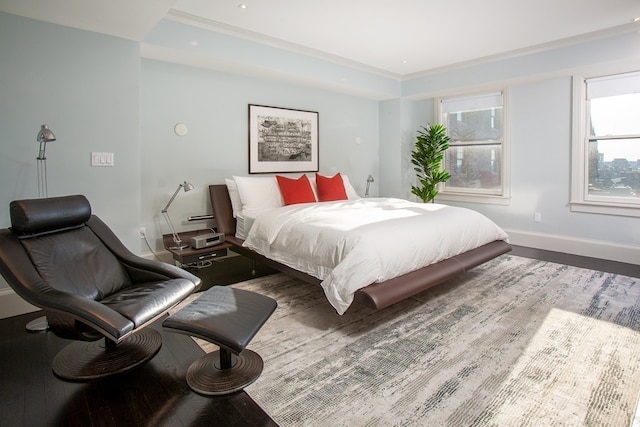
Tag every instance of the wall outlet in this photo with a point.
(537, 217)
(142, 232)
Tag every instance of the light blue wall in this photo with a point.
(539, 108)
(563, 60)
(399, 120)
(176, 42)
(214, 107)
(85, 87)
(97, 94)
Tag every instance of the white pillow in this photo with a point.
(351, 192)
(348, 188)
(258, 192)
(236, 203)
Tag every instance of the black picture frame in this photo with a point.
(282, 140)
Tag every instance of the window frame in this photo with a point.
(580, 200)
(503, 197)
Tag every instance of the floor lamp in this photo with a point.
(187, 186)
(45, 135)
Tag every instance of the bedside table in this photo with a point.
(190, 255)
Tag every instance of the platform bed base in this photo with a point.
(376, 295)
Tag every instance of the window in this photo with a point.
(606, 150)
(476, 155)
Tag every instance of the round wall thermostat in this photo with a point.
(180, 129)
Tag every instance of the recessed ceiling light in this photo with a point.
(404, 61)
(242, 6)
(194, 43)
(636, 19)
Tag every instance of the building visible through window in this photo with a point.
(613, 117)
(475, 125)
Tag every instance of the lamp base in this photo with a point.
(38, 325)
(178, 247)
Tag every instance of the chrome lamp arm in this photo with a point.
(176, 238)
(369, 181)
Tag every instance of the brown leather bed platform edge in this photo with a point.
(376, 295)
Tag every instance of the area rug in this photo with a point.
(513, 342)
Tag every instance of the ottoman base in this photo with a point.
(207, 376)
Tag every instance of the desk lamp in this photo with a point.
(187, 186)
(369, 181)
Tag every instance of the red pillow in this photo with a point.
(330, 188)
(296, 190)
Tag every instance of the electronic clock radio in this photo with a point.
(205, 240)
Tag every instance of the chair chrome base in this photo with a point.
(207, 376)
(89, 361)
(38, 325)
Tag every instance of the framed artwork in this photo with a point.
(282, 140)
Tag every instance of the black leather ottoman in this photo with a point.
(229, 318)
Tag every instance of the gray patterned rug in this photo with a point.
(514, 342)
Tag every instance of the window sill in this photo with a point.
(475, 198)
(606, 209)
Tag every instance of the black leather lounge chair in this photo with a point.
(60, 257)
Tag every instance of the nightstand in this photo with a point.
(190, 255)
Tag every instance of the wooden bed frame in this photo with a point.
(376, 295)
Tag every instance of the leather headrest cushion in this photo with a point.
(35, 216)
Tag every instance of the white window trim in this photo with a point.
(579, 163)
(471, 196)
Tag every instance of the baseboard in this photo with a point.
(13, 305)
(577, 246)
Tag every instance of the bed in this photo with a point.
(384, 241)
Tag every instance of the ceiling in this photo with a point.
(398, 38)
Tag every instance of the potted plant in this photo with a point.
(431, 143)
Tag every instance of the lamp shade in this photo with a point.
(45, 134)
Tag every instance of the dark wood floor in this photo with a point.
(632, 270)
(153, 395)
(156, 394)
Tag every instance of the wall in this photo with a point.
(539, 108)
(214, 107)
(85, 87)
(101, 96)
(97, 94)
(400, 118)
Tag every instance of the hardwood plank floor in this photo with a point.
(153, 395)
(632, 270)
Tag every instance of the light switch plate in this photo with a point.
(101, 159)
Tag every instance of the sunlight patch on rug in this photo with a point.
(568, 358)
(513, 342)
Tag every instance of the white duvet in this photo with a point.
(351, 244)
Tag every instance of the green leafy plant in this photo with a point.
(431, 143)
